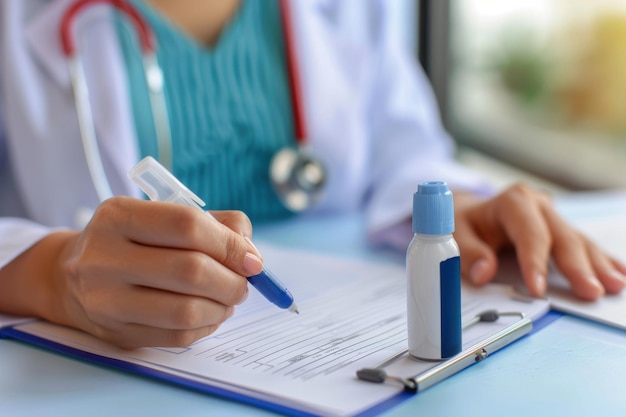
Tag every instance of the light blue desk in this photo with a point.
(571, 367)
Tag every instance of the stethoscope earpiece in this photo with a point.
(298, 178)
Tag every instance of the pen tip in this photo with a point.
(294, 308)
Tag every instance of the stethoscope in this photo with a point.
(296, 174)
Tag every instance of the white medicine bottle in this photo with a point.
(433, 276)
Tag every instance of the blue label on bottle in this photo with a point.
(451, 326)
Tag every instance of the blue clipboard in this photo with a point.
(417, 383)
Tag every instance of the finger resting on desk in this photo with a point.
(572, 259)
(478, 259)
(609, 271)
(581, 262)
(527, 229)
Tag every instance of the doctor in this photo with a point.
(143, 273)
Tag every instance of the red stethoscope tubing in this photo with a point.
(143, 30)
(148, 46)
(297, 175)
(292, 70)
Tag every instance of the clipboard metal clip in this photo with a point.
(450, 366)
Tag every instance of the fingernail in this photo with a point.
(599, 287)
(478, 270)
(252, 245)
(618, 276)
(540, 284)
(252, 264)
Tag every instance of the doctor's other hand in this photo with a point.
(154, 274)
(525, 220)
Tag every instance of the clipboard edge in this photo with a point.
(471, 355)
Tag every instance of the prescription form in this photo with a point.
(353, 315)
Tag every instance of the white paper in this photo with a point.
(353, 315)
(7, 320)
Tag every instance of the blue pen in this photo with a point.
(160, 185)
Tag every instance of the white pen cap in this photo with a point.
(160, 185)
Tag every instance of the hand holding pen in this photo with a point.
(160, 185)
(144, 273)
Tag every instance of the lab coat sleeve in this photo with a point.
(408, 142)
(16, 234)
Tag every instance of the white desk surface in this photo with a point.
(571, 367)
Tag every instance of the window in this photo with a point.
(541, 84)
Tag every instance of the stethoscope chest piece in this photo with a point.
(298, 178)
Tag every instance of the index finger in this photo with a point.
(168, 225)
(522, 218)
(235, 220)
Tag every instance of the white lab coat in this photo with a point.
(369, 111)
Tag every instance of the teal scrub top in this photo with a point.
(229, 105)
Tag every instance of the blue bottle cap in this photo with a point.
(433, 209)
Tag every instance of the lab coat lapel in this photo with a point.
(106, 79)
(332, 69)
(42, 33)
